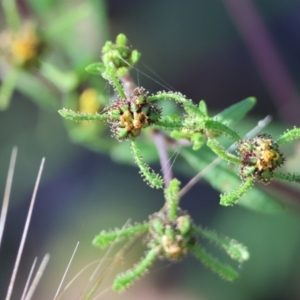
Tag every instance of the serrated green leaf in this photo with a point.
(223, 270)
(95, 68)
(224, 179)
(149, 175)
(235, 112)
(233, 248)
(107, 237)
(234, 196)
(126, 279)
(289, 136)
(70, 114)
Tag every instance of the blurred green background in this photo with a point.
(195, 47)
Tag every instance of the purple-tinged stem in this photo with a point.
(161, 146)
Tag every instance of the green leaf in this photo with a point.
(235, 112)
(234, 196)
(105, 238)
(287, 177)
(152, 178)
(222, 153)
(224, 271)
(233, 248)
(222, 128)
(125, 280)
(95, 68)
(167, 125)
(289, 136)
(70, 114)
(225, 179)
(187, 104)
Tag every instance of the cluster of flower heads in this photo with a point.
(23, 47)
(127, 117)
(260, 157)
(171, 233)
(171, 236)
(259, 160)
(120, 55)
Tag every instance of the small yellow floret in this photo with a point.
(266, 159)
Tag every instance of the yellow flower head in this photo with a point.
(22, 48)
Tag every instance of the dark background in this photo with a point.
(197, 48)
